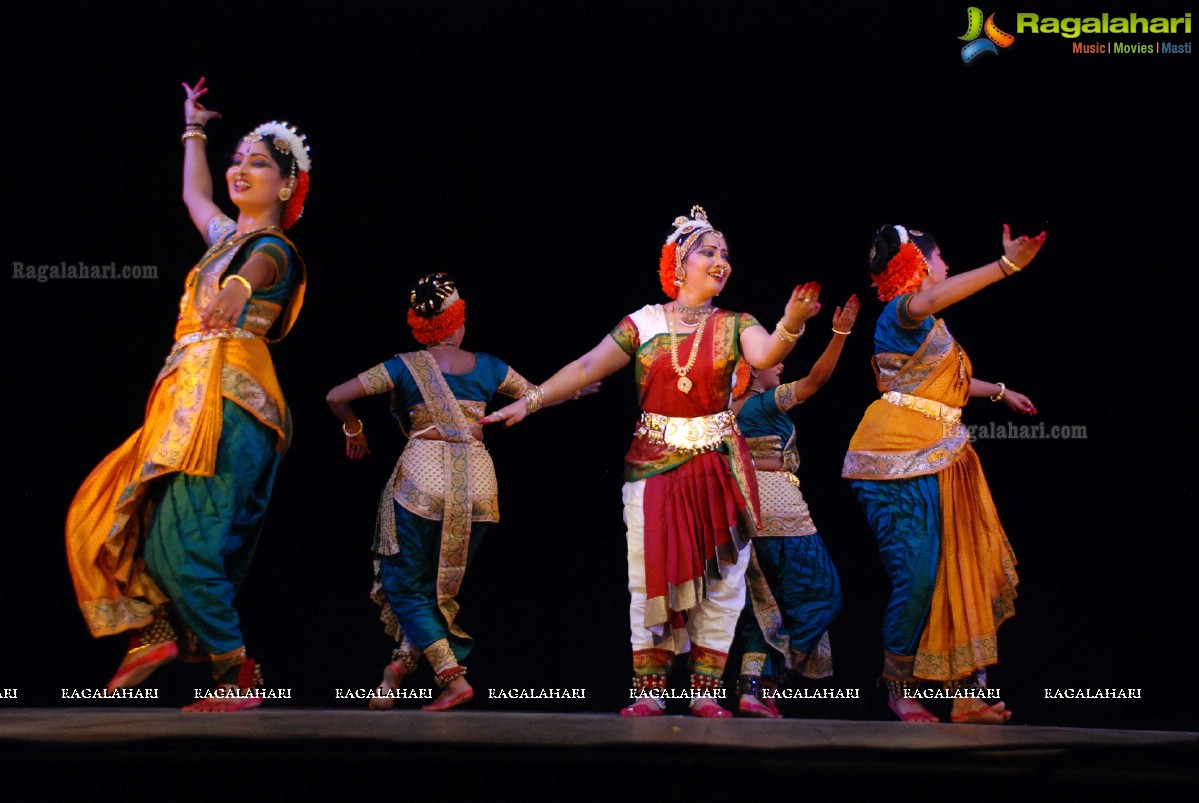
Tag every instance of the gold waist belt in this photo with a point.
(700, 434)
(199, 337)
(926, 407)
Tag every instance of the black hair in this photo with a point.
(430, 293)
(886, 245)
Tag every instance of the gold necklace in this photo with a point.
(684, 383)
(691, 315)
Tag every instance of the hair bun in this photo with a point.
(431, 294)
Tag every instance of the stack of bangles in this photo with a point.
(1002, 390)
(1003, 260)
(786, 336)
(193, 130)
(361, 427)
(533, 397)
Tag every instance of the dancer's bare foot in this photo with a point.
(708, 707)
(227, 698)
(973, 711)
(909, 709)
(456, 692)
(644, 706)
(393, 674)
(750, 705)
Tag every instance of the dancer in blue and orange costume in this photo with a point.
(689, 492)
(794, 590)
(442, 496)
(160, 535)
(920, 484)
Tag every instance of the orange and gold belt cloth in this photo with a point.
(200, 337)
(926, 407)
(701, 434)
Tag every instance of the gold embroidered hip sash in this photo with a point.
(926, 407)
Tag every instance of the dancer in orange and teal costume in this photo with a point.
(160, 535)
(914, 473)
(794, 591)
(689, 492)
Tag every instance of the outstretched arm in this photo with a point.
(766, 349)
(197, 178)
(1018, 252)
(792, 393)
(576, 377)
(997, 391)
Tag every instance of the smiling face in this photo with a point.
(707, 266)
(253, 176)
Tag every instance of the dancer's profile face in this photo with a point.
(707, 265)
(937, 269)
(769, 378)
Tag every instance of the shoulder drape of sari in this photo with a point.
(180, 433)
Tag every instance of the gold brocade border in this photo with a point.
(816, 664)
(440, 656)
(246, 391)
(513, 386)
(766, 609)
(784, 511)
(376, 380)
(864, 465)
(752, 664)
(106, 617)
(916, 371)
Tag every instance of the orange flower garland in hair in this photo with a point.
(903, 274)
(440, 326)
(294, 207)
(666, 267)
(743, 375)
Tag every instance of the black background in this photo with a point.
(538, 152)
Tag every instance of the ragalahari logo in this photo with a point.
(975, 26)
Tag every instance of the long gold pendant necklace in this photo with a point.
(685, 384)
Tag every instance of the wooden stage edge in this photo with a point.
(157, 754)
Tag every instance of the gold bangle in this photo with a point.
(1011, 264)
(838, 331)
(236, 278)
(193, 132)
(533, 397)
(361, 426)
(1002, 390)
(786, 336)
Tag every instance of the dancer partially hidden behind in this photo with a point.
(952, 571)
(160, 535)
(689, 492)
(794, 591)
(441, 497)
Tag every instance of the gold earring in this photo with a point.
(679, 276)
(285, 194)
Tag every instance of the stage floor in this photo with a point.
(154, 754)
